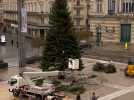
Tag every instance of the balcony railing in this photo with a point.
(125, 14)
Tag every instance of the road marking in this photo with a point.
(96, 60)
(114, 86)
(117, 93)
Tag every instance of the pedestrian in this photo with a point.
(22, 92)
(94, 97)
(12, 43)
(78, 97)
(17, 44)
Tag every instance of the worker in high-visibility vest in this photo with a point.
(126, 45)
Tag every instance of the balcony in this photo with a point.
(128, 15)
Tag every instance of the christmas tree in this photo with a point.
(60, 44)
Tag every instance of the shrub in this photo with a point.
(76, 89)
(61, 75)
(3, 65)
(98, 67)
(93, 76)
(56, 82)
(72, 89)
(110, 68)
(39, 82)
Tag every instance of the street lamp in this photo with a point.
(87, 19)
(22, 29)
(98, 35)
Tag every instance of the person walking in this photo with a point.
(78, 97)
(94, 97)
(12, 43)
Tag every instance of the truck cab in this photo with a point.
(16, 82)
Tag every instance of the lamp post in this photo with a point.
(98, 35)
(22, 29)
(87, 19)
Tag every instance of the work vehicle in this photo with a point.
(129, 70)
(25, 85)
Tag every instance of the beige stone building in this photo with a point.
(1, 17)
(115, 18)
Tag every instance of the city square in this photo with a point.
(66, 49)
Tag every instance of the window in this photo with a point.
(123, 7)
(99, 6)
(133, 7)
(128, 7)
(111, 7)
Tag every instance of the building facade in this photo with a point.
(115, 18)
(37, 17)
(1, 17)
(38, 11)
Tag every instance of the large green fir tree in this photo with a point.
(60, 42)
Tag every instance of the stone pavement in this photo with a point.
(118, 93)
(114, 86)
(128, 96)
(110, 51)
(117, 85)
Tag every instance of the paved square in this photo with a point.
(128, 96)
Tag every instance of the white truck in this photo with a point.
(25, 85)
